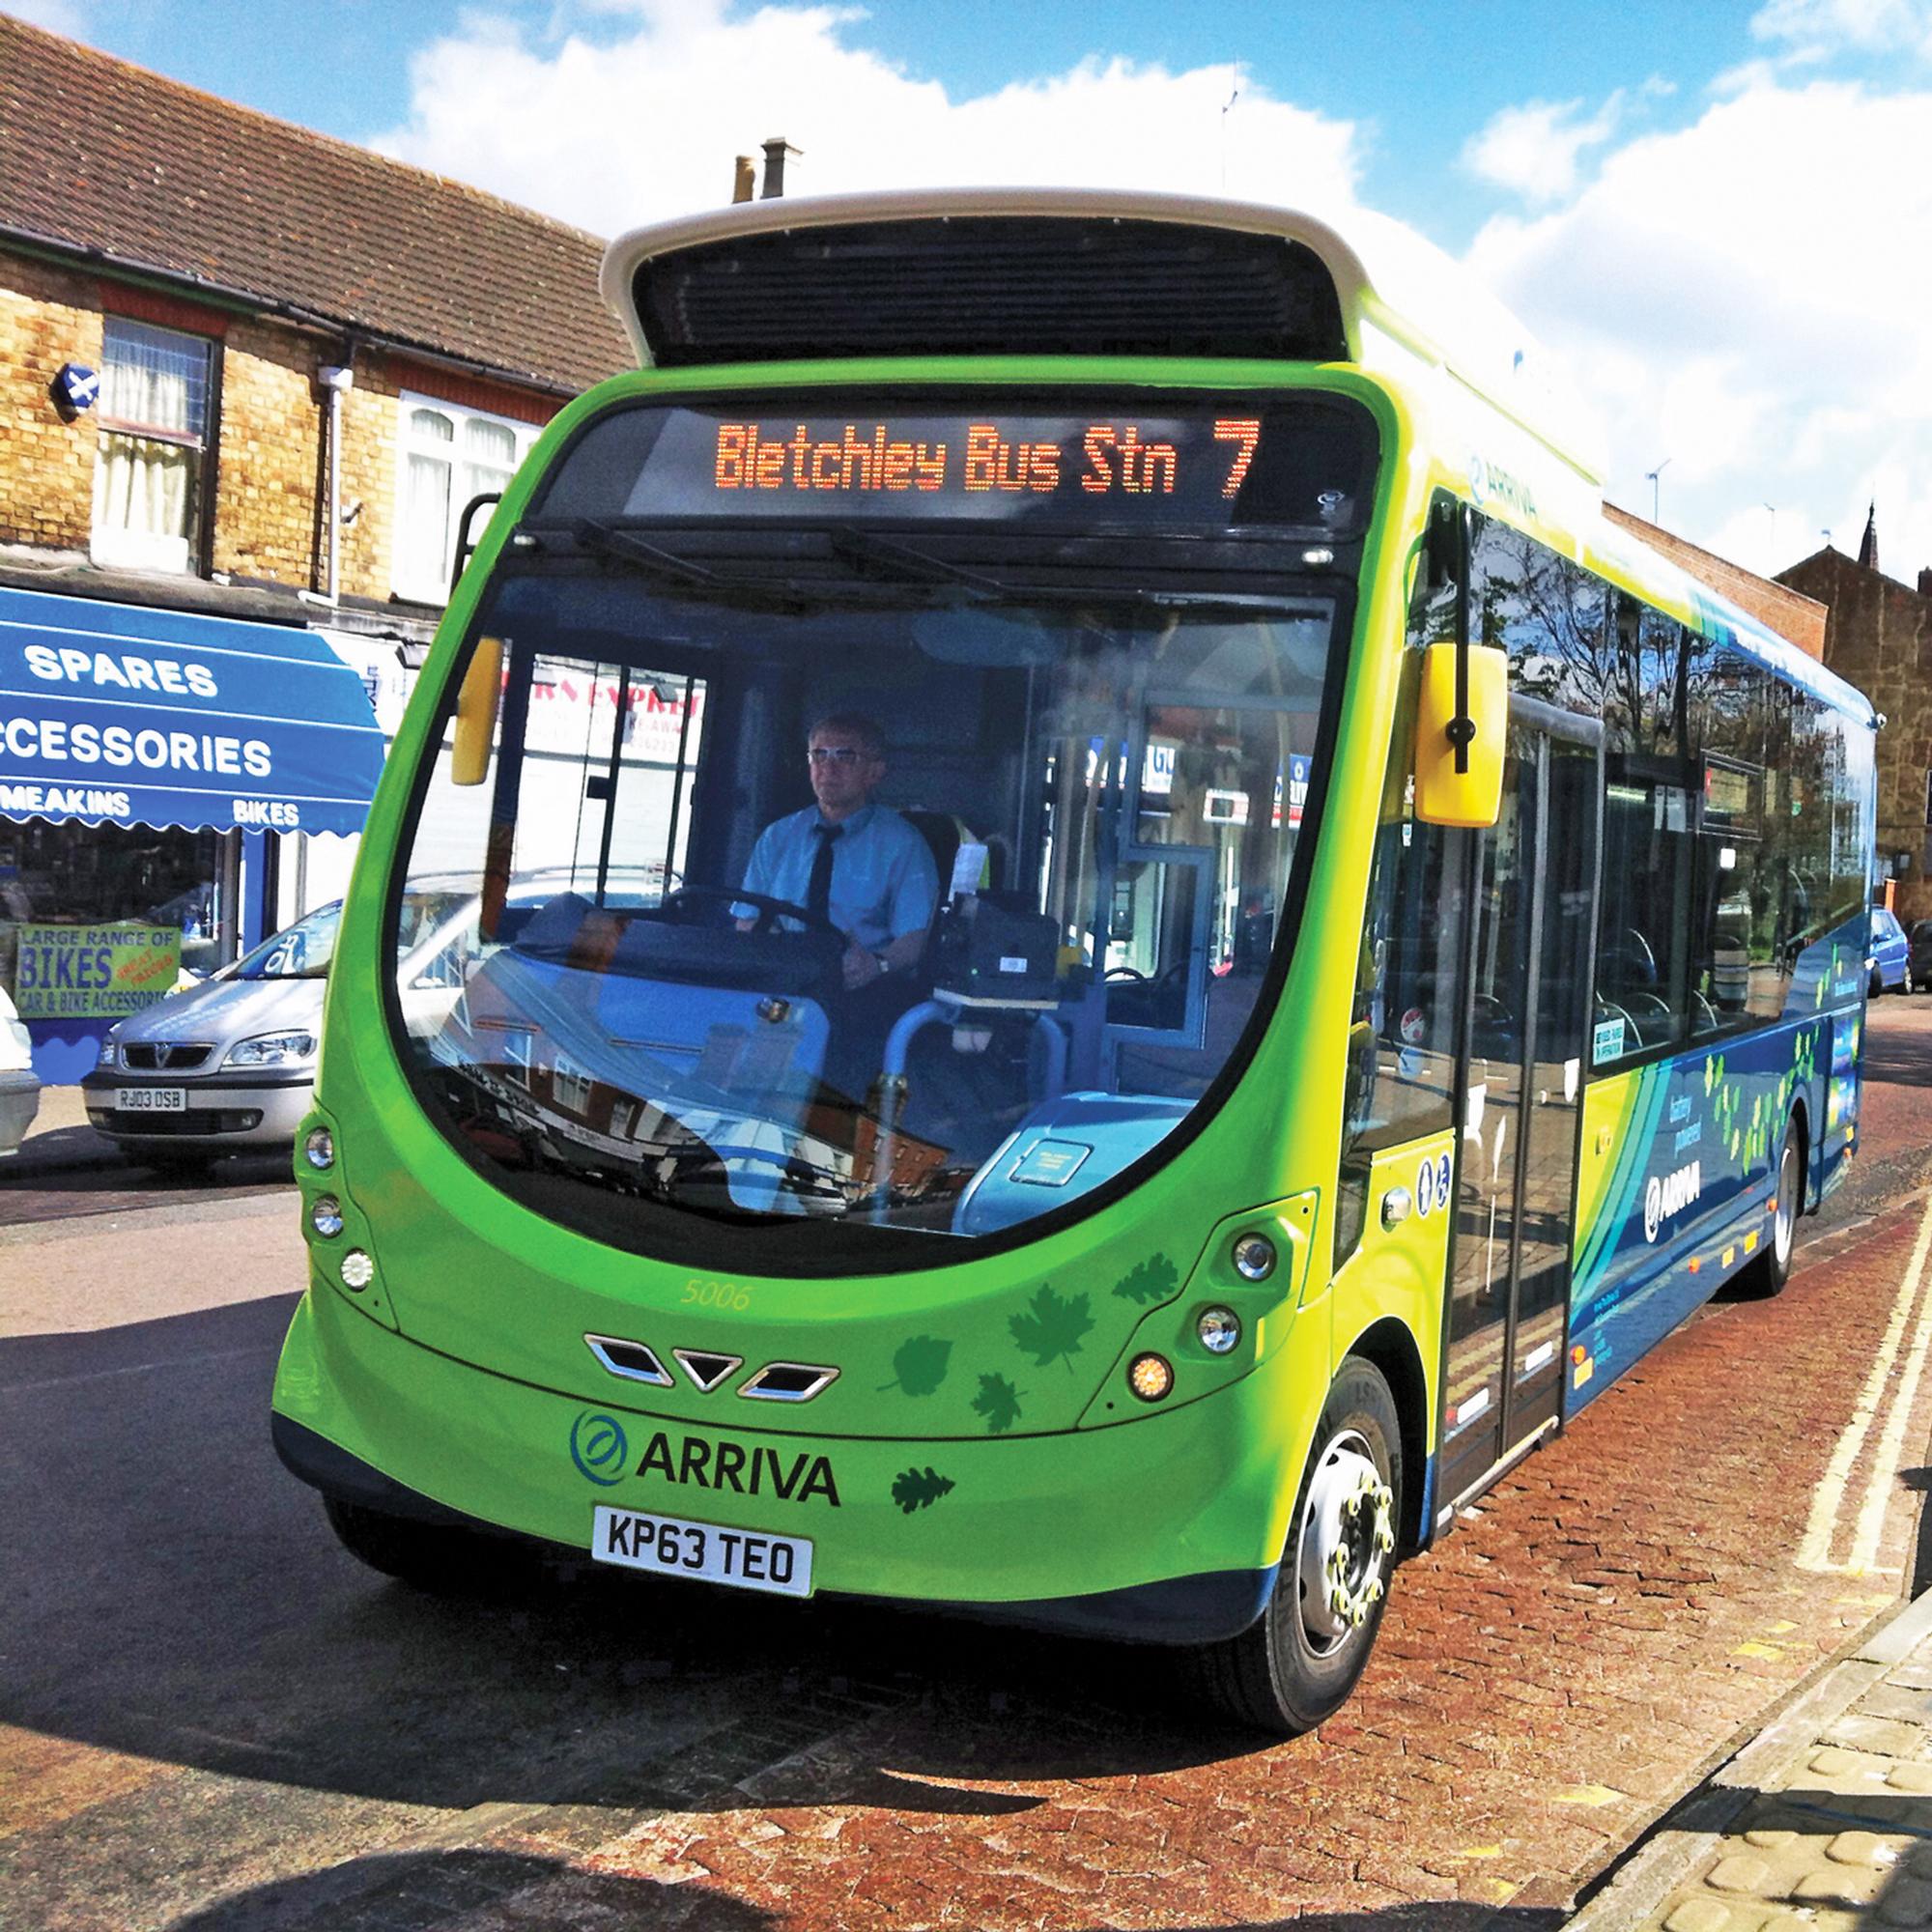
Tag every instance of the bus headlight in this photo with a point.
(1151, 1377)
(324, 1216)
(357, 1270)
(1220, 1329)
(319, 1149)
(1254, 1256)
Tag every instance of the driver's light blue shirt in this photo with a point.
(884, 883)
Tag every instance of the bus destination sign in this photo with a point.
(1213, 469)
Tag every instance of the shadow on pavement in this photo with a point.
(414, 1891)
(187, 1604)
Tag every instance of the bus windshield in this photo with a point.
(857, 890)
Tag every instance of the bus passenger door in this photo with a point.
(1524, 1057)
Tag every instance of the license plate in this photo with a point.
(151, 1100)
(704, 1551)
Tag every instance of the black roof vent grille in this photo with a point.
(990, 285)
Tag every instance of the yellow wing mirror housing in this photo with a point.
(1460, 748)
(477, 707)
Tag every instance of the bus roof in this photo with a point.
(1401, 300)
(1399, 308)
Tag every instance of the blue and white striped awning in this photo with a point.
(115, 714)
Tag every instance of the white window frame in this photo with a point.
(409, 575)
(113, 545)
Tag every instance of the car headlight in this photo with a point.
(110, 1053)
(273, 1049)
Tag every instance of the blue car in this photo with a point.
(1891, 954)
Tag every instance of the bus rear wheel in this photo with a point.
(1771, 1268)
(1296, 1666)
(433, 1557)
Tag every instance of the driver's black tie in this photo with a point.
(819, 889)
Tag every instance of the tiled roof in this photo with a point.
(109, 159)
(1795, 617)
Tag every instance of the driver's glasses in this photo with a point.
(835, 754)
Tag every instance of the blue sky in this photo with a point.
(1716, 211)
(1424, 78)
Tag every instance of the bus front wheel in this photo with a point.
(1297, 1665)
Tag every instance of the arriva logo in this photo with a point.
(598, 1447)
(1670, 1194)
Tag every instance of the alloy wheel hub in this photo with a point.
(1347, 1532)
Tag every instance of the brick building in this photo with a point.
(1779, 607)
(248, 374)
(1878, 634)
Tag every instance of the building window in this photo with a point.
(153, 424)
(449, 455)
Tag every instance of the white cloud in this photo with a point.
(1869, 26)
(643, 125)
(60, 16)
(1532, 150)
(1747, 297)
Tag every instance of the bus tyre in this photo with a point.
(1297, 1665)
(441, 1560)
(1771, 1268)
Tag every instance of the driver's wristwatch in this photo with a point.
(884, 964)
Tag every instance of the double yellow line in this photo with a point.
(1881, 1393)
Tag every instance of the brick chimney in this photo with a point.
(1925, 583)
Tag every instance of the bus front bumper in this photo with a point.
(1164, 1530)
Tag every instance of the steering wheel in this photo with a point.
(770, 910)
(1130, 974)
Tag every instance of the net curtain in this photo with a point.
(143, 487)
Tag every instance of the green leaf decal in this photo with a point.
(920, 1366)
(1153, 1280)
(1052, 1327)
(999, 1402)
(919, 1489)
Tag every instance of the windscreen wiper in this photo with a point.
(613, 540)
(909, 563)
(912, 564)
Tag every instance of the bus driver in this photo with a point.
(857, 863)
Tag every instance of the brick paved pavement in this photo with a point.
(1604, 1630)
(1822, 1822)
(1548, 1679)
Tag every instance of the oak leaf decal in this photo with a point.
(1153, 1280)
(919, 1489)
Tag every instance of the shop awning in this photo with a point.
(115, 714)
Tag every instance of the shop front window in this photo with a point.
(61, 879)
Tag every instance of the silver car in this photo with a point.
(19, 1089)
(228, 1066)
(224, 1066)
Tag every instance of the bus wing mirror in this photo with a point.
(476, 713)
(1459, 748)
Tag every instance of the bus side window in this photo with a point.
(1652, 811)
